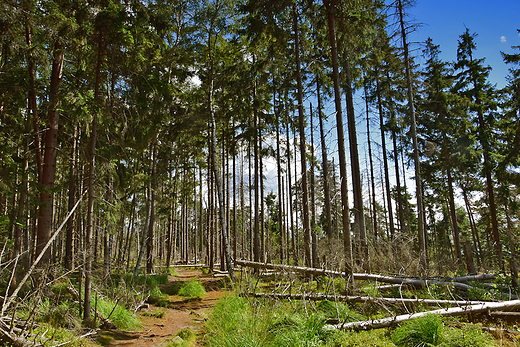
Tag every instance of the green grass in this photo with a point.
(192, 289)
(424, 331)
(237, 321)
(121, 317)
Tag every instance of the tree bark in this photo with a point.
(48, 177)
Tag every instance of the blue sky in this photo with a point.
(494, 21)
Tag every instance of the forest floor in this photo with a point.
(180, 313)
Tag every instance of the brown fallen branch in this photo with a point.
(454, 311)
(13, 340)
(362, 299)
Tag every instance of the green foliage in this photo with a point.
(121, 317)
(192, 289)
(424, 331)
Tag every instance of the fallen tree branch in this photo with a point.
(454, 311)
(363, 299)
(364, 277)
(9, 299)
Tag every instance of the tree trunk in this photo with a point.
(313, 201)
(385, 161)
(372, 177)
(341, 138)
(359, 210)
(325, 168)
(281, 216)
(151, 222)
(423, 244)
(303, 151)
(45, 216)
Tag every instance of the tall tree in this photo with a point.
(471, 81)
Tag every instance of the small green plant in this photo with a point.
(192, 289)
(424, 331)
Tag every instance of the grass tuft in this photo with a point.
(192, 289)
(424, 331)
(121, 317)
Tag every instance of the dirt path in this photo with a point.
(181, 313)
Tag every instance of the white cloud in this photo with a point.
(503, 39)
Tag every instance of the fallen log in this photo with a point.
(299, 269)
(357, 276)
(361, 299)
(483, 277)
(454, 311)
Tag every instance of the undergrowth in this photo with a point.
(238, 321)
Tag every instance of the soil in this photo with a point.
(180, 313)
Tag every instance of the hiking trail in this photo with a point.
(180, 313)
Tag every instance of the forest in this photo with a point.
(295, 155)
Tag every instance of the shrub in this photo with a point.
(424, 331)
